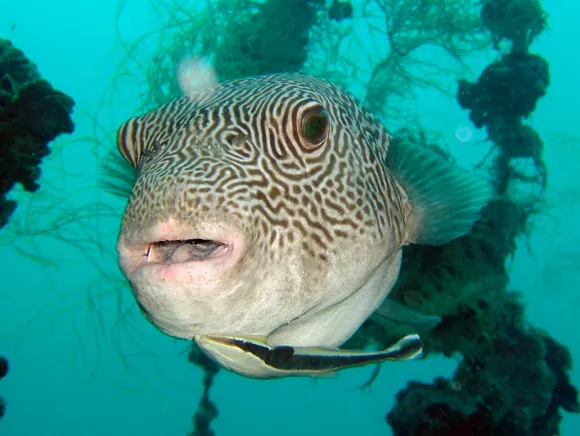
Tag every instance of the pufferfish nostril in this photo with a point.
(185, 251)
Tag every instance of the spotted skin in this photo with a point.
(240, 142)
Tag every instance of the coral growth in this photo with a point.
(32, 114)
(265, 40)
(3, 372)
(507, 91)
(340, 10)
(508, 88)
(484, 399)
(444, 412)
(518, 21)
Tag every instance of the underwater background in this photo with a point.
(82, 360)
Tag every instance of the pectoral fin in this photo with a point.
(252, 357)
(445, 199)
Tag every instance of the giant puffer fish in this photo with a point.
(267, 221)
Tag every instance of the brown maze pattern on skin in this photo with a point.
(237, 149)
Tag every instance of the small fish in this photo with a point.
(254, 358)
(267, 218)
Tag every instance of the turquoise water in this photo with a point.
(83, 360)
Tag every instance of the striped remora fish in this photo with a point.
(269, 213)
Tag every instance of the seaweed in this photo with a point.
(32, 114)
(447, 28)
(400, 52)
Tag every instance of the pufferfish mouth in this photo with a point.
(186, 250)
(173, 245)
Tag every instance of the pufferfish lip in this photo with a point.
(172, 243)
(186, 250)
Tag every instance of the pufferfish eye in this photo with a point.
(315, 126)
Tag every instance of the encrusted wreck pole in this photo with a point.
(206, 411)
(3, 372)
(513, 379)
(32, 114)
